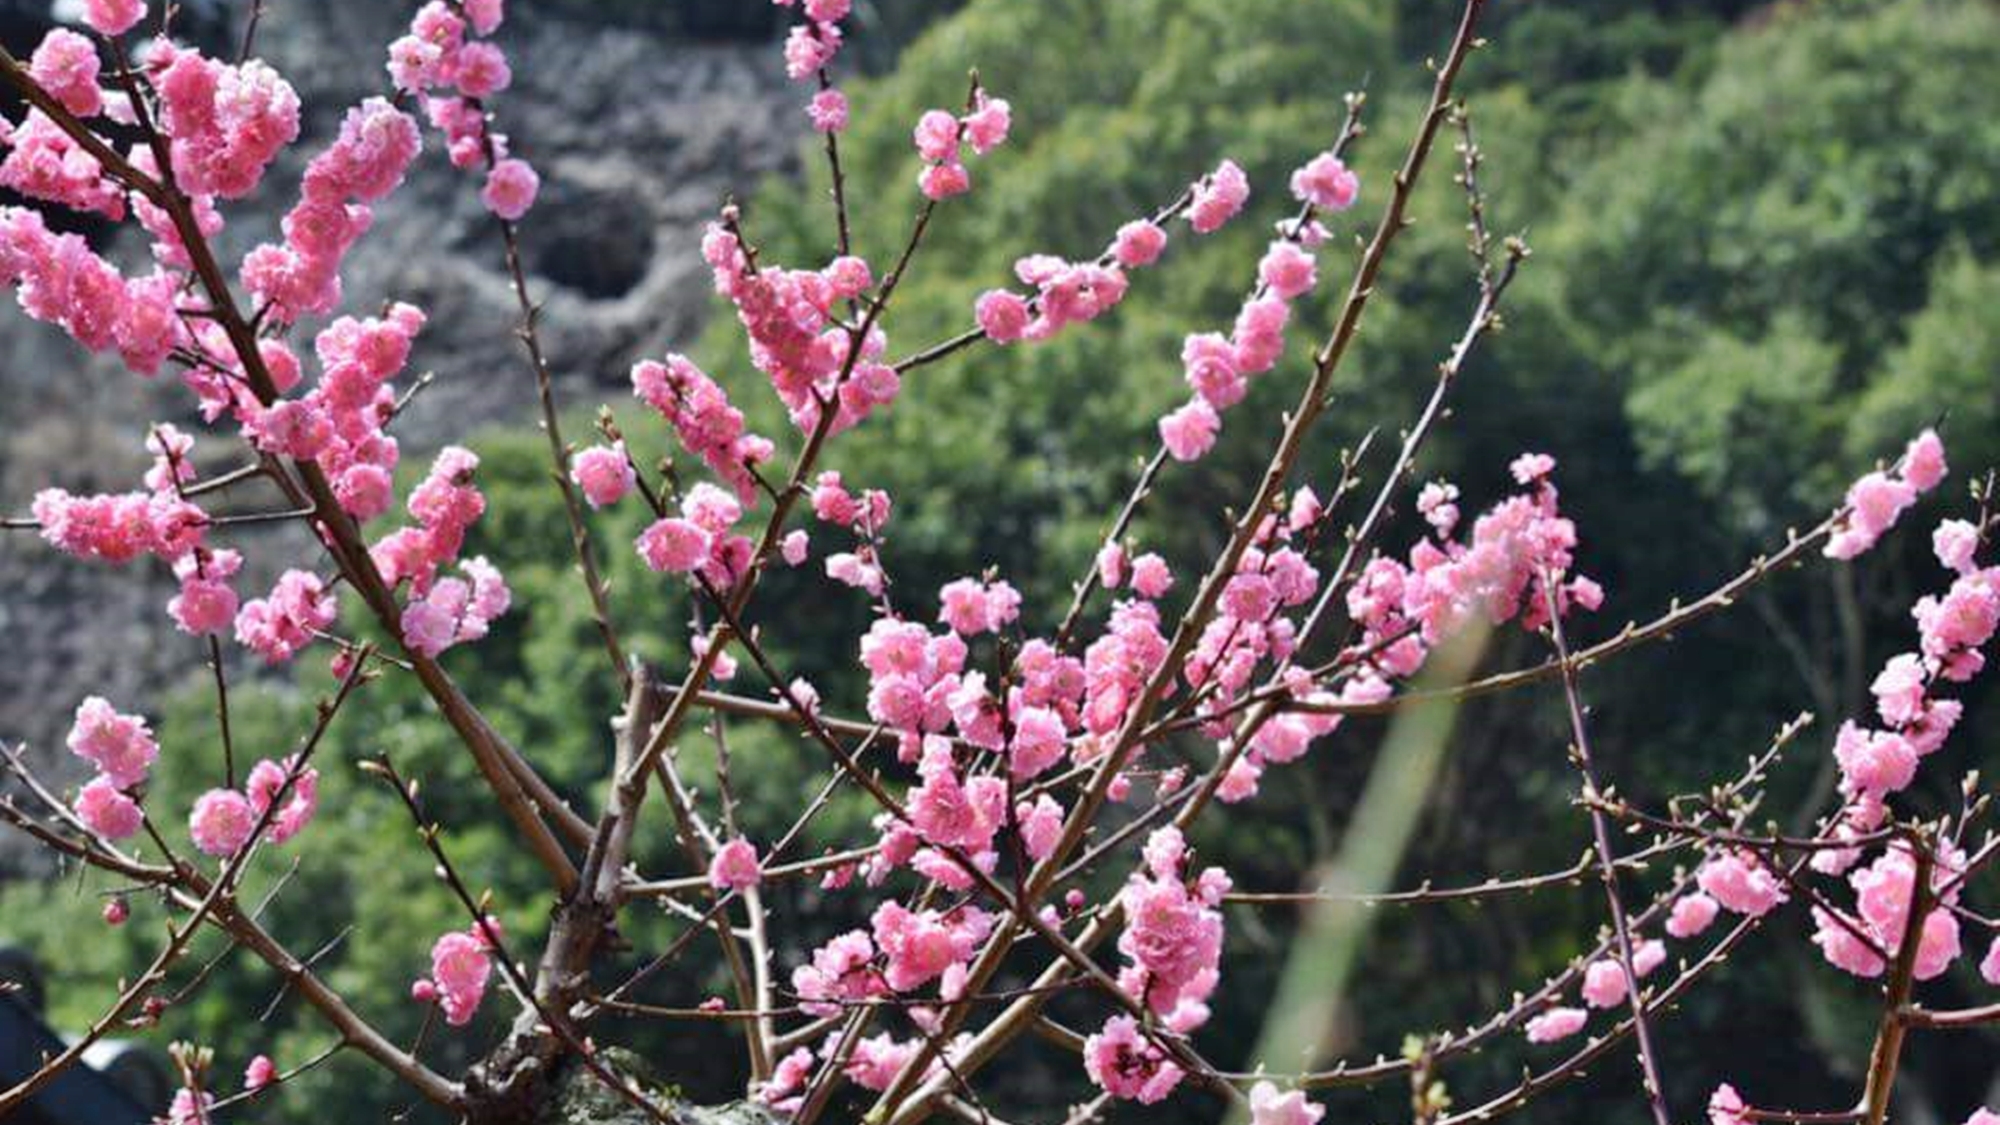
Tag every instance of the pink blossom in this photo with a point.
(1923, 462)
(1218, 197)
(1556, 1023)
(972, 607)
(1150, 575)
(107, 811)
(1740, 882)
(1139, 243)
(221, 822)
(461, 965)
(1326, 183)
(828, 111)
(1989, 965)
(115, 908)
(1726, 1107)
(1287, 270)
(1269, 1107)
(266, 784)
(1875, 762)
(674, 546)
(809, 47)
(278, 626)
(113, 17)
(1955, 541)
(936, 136)
(840, 970)
(1648, 956)
(121, 746)
(480, 70)
(942, 181)
(66, 65)
(1691, 915)
(1983, 1116)
(987, 125)
(1003, 316)
(604, 473)
(736, 866)
(484, 15)
(510, 189)
(1189, 432)
(1038, 741)
(1125, 1065)
(1604, 983)
(260, 1073)
(793, 547)
(1210, 365)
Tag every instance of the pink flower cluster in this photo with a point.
(298, 609)
(1173, 934)
(441, 62)
(1126, 1065)
(1883, 892)
(227, 123)
(119, 527)
(813, 44)
(604, 473)
(223, 820)
(700, 539)
(812, 359)
(461, 966)
(866, 516)
(456, 610)
(45, 163)
(1218, 368)
(1878, 500)
(941, 138)
(59, 280)
(123, 750)
(364, 164)
(707, 425)
(1517, 548)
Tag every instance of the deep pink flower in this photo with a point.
(1326, 183)
(735, 866)
(221, 822)
(107, 811)
(510, 189)
(1139, 243)
(604, 474)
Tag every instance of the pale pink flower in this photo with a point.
(1556, 1023)
(1269, 1107)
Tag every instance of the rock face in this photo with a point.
(637, 135)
